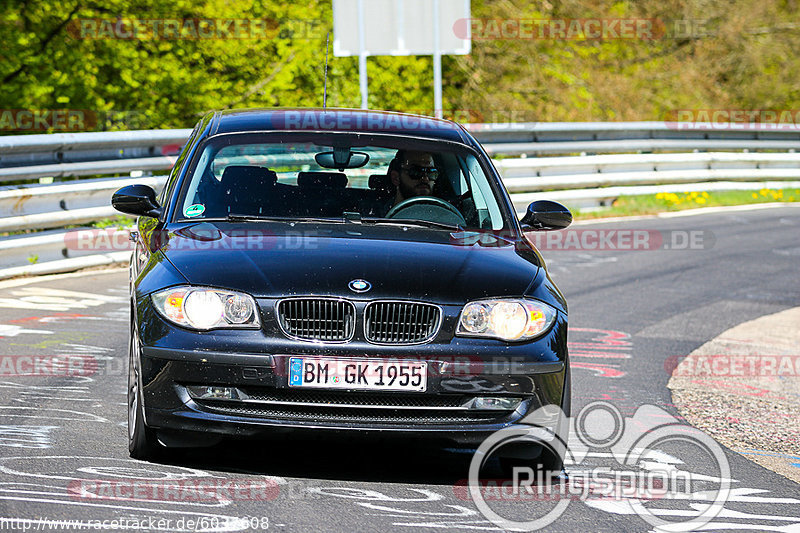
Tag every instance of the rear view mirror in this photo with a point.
(341, 159)
(546, 215)
(137, 200)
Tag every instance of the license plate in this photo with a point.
(361, 374)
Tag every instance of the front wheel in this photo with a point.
(142, 441)
(540, 458)
(547, 458)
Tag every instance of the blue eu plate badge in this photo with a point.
(295, 372)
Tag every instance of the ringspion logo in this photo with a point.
(651, 456)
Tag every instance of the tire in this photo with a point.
(556, 461)
(550, 460)
(142, 441)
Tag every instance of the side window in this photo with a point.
(197, 180)
(173, 175)
(462, 183)
(488, 212)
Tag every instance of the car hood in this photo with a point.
(274, 260)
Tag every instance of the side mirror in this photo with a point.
(546, 215)
(137, 200)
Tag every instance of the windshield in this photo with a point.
(271, 175)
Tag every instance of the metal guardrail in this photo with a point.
(604, 196)
(523, 175)
(548, 138)
(75, 202)
(579, 180)
(549, 131)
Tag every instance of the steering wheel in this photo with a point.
(429, 200)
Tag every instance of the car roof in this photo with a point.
(336, 120)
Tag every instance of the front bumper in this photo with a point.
(273, 407)
(257, 364)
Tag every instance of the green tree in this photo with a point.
(739, 55)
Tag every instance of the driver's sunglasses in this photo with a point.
(415, 172)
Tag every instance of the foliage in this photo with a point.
(741, 56)
(119, 222)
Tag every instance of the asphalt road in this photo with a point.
(63, 437)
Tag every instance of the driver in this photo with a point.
(413, 174)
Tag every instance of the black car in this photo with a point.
(338, 271)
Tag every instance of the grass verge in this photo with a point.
(650, 204)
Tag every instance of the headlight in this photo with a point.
(200, 308)
(506, 319)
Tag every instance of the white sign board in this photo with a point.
(401, 27)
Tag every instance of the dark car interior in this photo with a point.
(256, 191)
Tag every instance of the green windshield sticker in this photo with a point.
(194, 210)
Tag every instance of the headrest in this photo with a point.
(380, 182)
(334, 180)
(248, 177)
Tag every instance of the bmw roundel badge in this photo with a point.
(359, 285)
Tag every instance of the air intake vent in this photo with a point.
(401, 322)
(317, 319)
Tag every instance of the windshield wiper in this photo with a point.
(235, 217)
(348, 220)
(413, 222)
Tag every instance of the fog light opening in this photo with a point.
(494, 404)
(213, 392)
